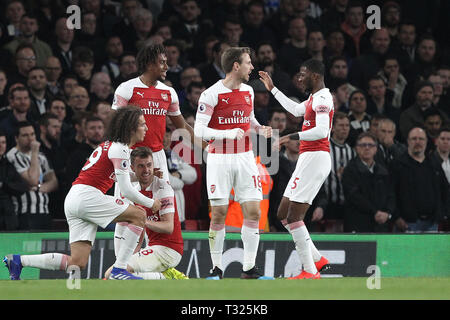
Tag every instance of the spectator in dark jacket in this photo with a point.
(440, 156)
(11, 183)
(420, 187)
(369, 197)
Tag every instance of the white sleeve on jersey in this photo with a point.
(167, 197)
(174, 108)
(322, 105)
(205, 109)
(119, 155)
(122, 95)
(297, 109)
(254, 124)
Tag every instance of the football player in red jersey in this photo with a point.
(225, 118)
(157, 102)
(314, 162)
(87, 206)
(164, 248)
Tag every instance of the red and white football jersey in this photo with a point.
(224, 109)
(98, 171)
(163, 191)
(319, 102)
(156, 103)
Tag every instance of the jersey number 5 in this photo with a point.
(96, 154)
(295, 183)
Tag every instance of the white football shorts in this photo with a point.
(235, 170)
(86, 208)
(154, 258)
(310, 173)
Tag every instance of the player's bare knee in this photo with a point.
(79, 263)
(218, 215)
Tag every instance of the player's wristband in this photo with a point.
(274, 91)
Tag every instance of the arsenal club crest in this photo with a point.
(164, 96)
(119, 202)
(247, 99)
(213, 188)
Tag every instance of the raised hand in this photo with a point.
(266, 79)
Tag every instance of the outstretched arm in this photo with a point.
(297, 109)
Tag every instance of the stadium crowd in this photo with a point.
(390, 141)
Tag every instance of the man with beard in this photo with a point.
(94, 130)
(40, 96)
(50, 139)
(314, 162)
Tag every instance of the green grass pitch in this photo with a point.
(235, 289)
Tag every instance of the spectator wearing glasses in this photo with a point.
(78, 102)
(24, 60)
(53, 71)
(369, 196)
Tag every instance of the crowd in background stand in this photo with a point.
(390, 140)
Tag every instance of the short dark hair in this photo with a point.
(337, 58)
(16, 89)
(433, 111)
(374, 78)
(83, 54)
(442, 129)
(353, 4)
(148, 55)
(93, 118)
(355, 92)
(232, 55)
(338, 115)
(58, 98)
(140, 152)
(314, 66)
(20, 125)
(37, 68)
(366, 134)
(44, 119)
(126, 54)
(123, 124)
